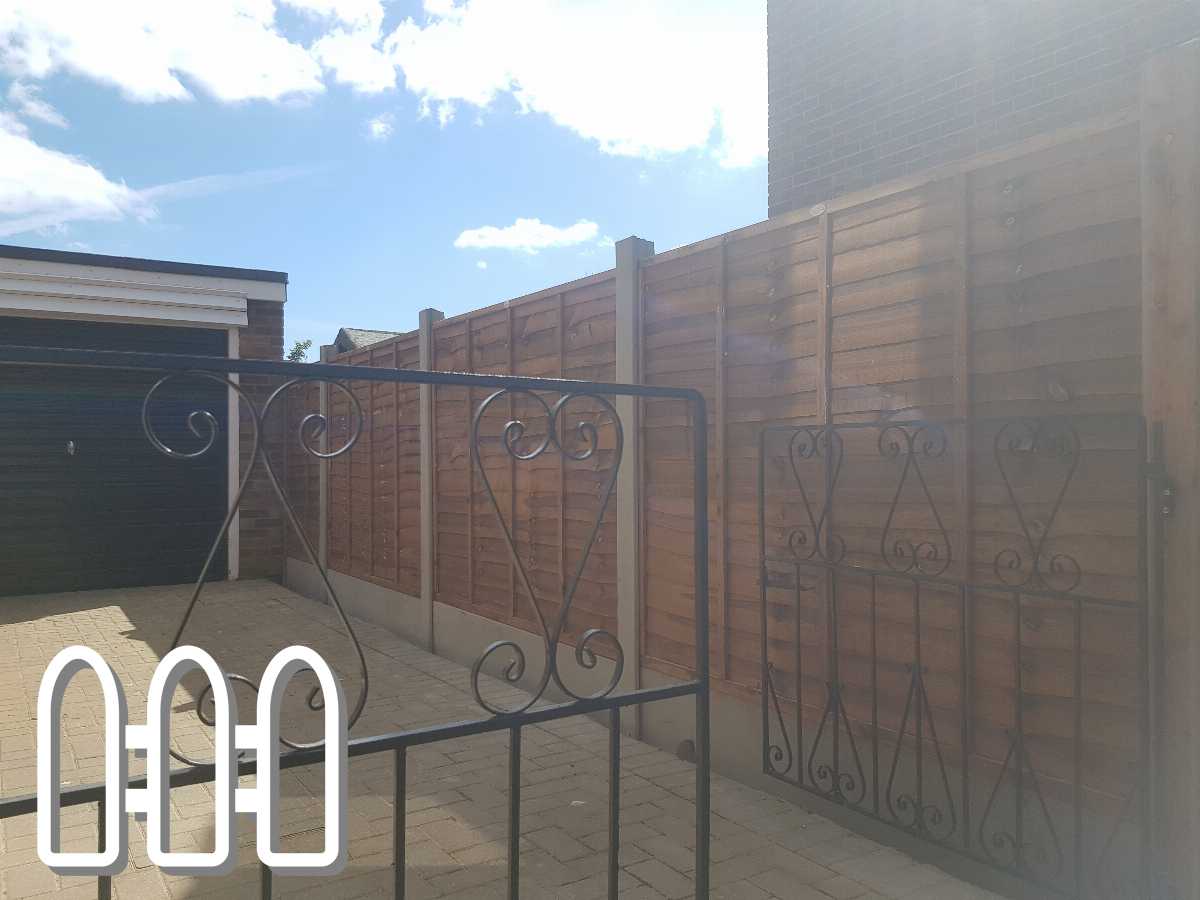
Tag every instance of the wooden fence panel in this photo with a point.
(1008, 286)
(550, 503)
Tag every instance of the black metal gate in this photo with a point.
(580, 424)
(956, 636)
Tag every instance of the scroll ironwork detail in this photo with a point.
(1033, 441)
(816, 540)
(204, 425)
(911, 445)
(585, 445)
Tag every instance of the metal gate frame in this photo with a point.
(842, 761)
(574, 441)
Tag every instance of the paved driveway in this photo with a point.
(763, 847)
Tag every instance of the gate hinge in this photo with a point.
(1164, 487)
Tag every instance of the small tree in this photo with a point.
(299, 351)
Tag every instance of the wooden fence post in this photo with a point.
(630, 253)
(1170, 192)
(428, 481)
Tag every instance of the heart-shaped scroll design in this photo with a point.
(203, 424)
(588, 442)
(1032, 441)
(1014, 848)
(912, 444)
(913, 810)
(816, 540)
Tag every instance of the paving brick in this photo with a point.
(456, 827)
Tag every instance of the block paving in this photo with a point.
(763, 848)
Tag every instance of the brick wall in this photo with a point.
(261, 517)
(862, 91)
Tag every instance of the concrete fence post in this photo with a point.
(1170, 195)
(630, 254)
(428, 478)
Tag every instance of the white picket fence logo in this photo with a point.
(154, 737)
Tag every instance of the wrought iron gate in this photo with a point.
(955, 636)
(578, 425)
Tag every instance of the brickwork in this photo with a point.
(862, 91)
(764, 848)
(261, 518)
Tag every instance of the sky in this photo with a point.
(389, 155)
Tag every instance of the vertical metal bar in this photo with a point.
(874, 698)
(614, 801)
(797, 634)
(396, 412)
(1077, 745)
(1150, 656)
(470, 475)
(399, 817)
(763, 642)
(641, 461)
(512, 471)
(562, 458)
(835, 686)
(514, 813)
(700, 554)
(349, 476)
(919, 675)
(103, 882)
(370, 429)
(1019, 722)
(964, 716)
(264, 881)
(719, 470)
(435, 499)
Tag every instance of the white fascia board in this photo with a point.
(88, 297)
(249, 289)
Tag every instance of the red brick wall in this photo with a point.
(261, 517)
(863, 91)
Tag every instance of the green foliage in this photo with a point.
(299, 351)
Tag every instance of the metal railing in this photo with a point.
(956, 641)
(576, 442)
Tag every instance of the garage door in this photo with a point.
(85, 500)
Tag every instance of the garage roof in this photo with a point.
(9, 251)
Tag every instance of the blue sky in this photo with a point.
(388, 155)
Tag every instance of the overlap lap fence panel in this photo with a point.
(374, 517)
(1008, 286)
(551, 503)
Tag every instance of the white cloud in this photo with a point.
(206, 185)
(380, 127)
(42, 189)
(640, 79)
(527, 236)
(360, 13)
(481, 264)
(231, 49)
(25, 99)
(354, 59)
(646, 79)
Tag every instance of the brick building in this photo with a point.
(862, 91)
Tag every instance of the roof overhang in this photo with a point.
(61, 287)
